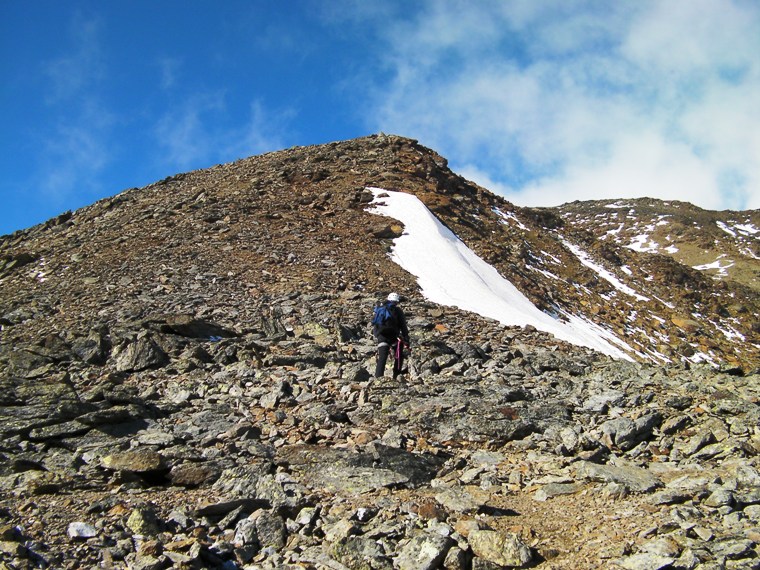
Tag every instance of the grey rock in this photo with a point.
(94, 349)
(140, 354)
(356, 552)
(669, 497)
(144, 521)
(136, 461)
(505, 549)
(357, 472)
(194, 474)
(456, 559)
(752, 512)
(685, 515)
(631, 477)
(156, 437)
(270, 530)
(462, 499)
(719, 498)
(81, 530)
(424, 552)
(674, 424)
(59, 430)
(697, 442)
(646, 561)
(340, 530)
(149, 562)
(688, 560)
(246, 533)
(555, 490)
(601, 402)
(626, 433)
(663, 546)
(255, 484)
(733, 549)
(189, 326)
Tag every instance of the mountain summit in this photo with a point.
(185, 375)
(664, 282)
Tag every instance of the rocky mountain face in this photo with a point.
(724, 245)
(185, 381)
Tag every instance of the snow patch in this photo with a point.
(642, 243)
(717, 265)
(602, 272)
(725, 228)
(746, 229)
(510, 216)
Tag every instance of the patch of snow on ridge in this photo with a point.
(746, 229)
(642, 243)
(602, 272)
(725, 228)
(717, 265)
(450, 273)
(506, 216)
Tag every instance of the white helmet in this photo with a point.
(394, 298)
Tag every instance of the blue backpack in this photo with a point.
(385, 320)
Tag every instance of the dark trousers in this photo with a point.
(383, 350)
(382, 357)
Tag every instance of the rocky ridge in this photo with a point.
(185, 383)
(724, 245)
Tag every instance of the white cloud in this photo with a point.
(263, 132)
(76, 70)
(72, 156)
(73, 151)
(185, 136)
(199, 134)
(169, 69)
(555, 103)
(641, 164)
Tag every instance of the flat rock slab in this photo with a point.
(630, 476)
(138, 461)
(348, 472)
(463, 499)
(353, 480)
(555, 490)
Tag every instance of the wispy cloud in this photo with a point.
(169, 69)
(184, 134)
(264, 131)
(73, 150)
(200, 132)
(552, 103)
(75, 70)
(72, 160)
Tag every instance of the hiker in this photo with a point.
(390, 330)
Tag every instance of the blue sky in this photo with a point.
(543, 102)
